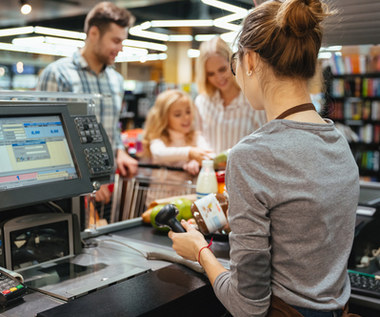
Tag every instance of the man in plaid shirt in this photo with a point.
(90, 70)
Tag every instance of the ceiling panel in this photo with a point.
(357, 22)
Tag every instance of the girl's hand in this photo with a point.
(191, 167)
(199, 154)
(189, 243)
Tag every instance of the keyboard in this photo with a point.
(364, 285)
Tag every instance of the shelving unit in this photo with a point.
(354, 100)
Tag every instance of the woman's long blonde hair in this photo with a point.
(157, 122)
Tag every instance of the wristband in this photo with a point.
(205, 247)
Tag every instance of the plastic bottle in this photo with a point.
(210, 212)
(206, 182)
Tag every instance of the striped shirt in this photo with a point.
(72, 74)
(223, 127)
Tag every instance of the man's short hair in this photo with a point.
(105, 13)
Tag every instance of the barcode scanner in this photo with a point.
(167, 217)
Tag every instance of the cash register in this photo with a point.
(47, 154)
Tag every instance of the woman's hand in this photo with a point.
(189, 243)
(199, 154)
(192, 167)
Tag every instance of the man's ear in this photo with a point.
(93, 32)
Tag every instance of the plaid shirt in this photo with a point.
(72, 74)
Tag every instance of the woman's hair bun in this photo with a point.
(299, 17)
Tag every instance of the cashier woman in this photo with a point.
(293, 184)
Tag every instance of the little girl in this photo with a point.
(170, 139)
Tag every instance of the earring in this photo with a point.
(249, 73)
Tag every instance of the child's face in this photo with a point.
(181, 116)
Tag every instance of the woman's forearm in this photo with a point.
(211, 264)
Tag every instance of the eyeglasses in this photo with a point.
(233, 63)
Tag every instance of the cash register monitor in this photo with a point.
(40, 159)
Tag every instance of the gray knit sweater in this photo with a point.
(293, 191)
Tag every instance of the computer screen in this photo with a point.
(34, 150)
(41, 155)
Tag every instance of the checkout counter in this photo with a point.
(112, 277)
(123, 269)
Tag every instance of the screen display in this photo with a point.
(33, 150)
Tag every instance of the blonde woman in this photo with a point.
(170, 138)
(224, 114)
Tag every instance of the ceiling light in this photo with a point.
(180, 38)
(204, 37)
(144, 44)
(17, 31)
(335, 48)
(181, 23)
(224, 6)
(223, 22)
(25, 8)
(229, 37)
(134, 51)
(149, 57)
(28, 40)
(324, 55)
(192, 53)
(139, 30)
(44, 49)
(59, 32)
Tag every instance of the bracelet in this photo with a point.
(205, 247)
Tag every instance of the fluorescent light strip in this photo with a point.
(138, 30)
(149, 57)
(28, 40)
(223, 22)
(181, 23)
(192, 53)
(38, 47)
(204, 37)
(44, 49)
(59, 32)
(229, 37)
(17, 31)
(37, 40)
(335, 48)
(224, 6)
(134, 51)
(144, 44)
(231, 17)
(67, 42)
(180, 38)
(324, 55)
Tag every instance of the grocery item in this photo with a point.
(220, 160)
(210, 212)
(184, 207)
(220, 177)
(206, 182)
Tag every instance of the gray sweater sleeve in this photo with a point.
(245, 289)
